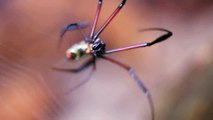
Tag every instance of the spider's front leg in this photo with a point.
(116, 11)
(96, 18)
(137, 80)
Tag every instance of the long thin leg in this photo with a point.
(96, 18)
(137, 80)
(76, 70)
(110, 19)
(91, 61)
(86, 79)
(159, 39)
(74, 26)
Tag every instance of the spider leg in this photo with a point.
(159, 39)
(110, 19)
(86, 79)
(76, 70)
(74, 26)
(81, 68)
(137, 80)
(96, 18)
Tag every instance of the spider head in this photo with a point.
(98, 47)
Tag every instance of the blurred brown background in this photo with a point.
(178, 72)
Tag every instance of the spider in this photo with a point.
(93, 46)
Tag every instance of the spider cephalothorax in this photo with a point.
(98, 47)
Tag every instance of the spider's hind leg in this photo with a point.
(74, 26)
(139, 82)
(84, 81)
(159, 39)
(80, 69)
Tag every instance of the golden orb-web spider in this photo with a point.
(95, 47)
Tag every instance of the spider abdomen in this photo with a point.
(78, 51)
